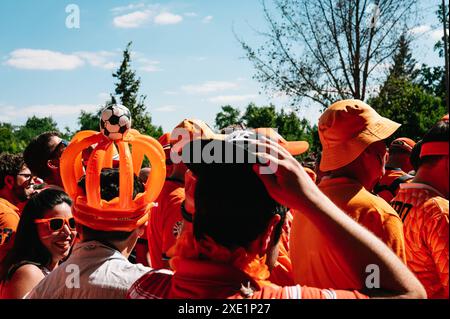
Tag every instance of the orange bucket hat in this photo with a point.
(293, 147)
(122, 213)
(347, 128)
(189, 130)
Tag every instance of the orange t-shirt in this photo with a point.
(320, 263)
(424, 212)
(9, 219)
(197, 279)
(386, 181)
(165, 222)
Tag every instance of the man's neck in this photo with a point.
(428, 177)
(7, 195)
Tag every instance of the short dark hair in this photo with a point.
(233, 207)
(10, 165)
(27, 244)
(109, 184)
(438, 133)
(38, 152)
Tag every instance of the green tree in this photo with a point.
(34, 126)
(288, 124)
(403, 99)
(325, 50)
(228, 116)
(260, 116)
(8, 141)
(127, 89)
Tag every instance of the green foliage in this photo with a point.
(126, 89)
(14, 139)
(411, 98)
(228, 116)
(410, 105)
(288, 124)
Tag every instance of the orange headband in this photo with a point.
(434, 148)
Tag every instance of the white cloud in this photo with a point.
(437, 34)
(148, 65)
(103, 96)
(166, 108)
(31, 59)
(12, 113)
(170, 92)
(190, 14)
(101, 59)
(132, 6)
(132, 20)
(209, 87)
(165, 18)
(207, 19)
(228, 99)
(420, 29)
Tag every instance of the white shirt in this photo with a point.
(92, 271)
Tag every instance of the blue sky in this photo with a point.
(184, 51)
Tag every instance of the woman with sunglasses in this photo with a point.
(44, 237)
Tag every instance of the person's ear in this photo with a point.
(9, 181)
(52, 164)
(141, 229)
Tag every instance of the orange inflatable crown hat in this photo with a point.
(122, 213)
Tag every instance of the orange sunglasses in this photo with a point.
(57, 223)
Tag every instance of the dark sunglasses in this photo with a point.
(27, 176)
(57, 148)
(57, 223)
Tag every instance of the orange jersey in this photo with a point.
(207, 280)
(425, 218)
(9, 219)
(388, 185)
(165, 222)
(320, 263)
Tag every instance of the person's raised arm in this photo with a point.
(290, 185)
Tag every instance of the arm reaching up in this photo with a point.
(290, 185)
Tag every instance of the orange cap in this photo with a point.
(191, 129)
(403, 143)
(445, 118)
(293, 147)
(347, 128)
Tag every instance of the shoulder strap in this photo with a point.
(399, 180)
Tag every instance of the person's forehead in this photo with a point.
(60, 210)
(54, 141)
(24, 170)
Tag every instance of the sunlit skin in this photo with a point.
(59, 242)
(53, 164)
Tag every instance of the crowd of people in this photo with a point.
(230, 214)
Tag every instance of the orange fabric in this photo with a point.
(426, 225)
(346, 128)
(434, 148)
(321, 263)
(403, 143)
(293, 147)
(207, 280)
(445, 118)
(165, 222)
(9, 219)
(123, 213)
(388, 178)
